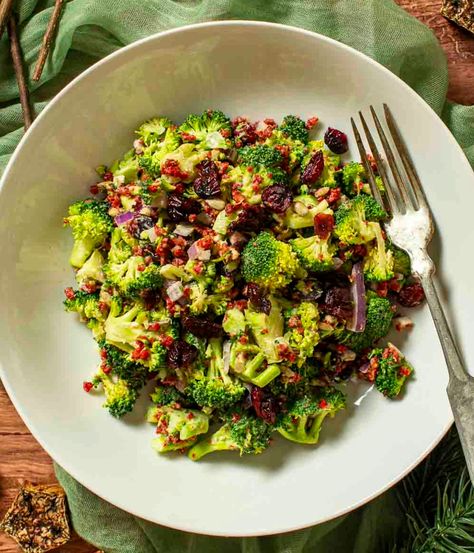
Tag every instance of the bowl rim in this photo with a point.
(56, 456)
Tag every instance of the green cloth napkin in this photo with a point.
(91, 29)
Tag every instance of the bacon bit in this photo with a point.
(264, 331)
(170, 305)
(403, 323)
(137, 250)
(190, 416)
(224, 166)
(323, 404)
(89, 288)
(171, 168)
(237, 196)
(179, 188)
(177, 251)
(87, 386)
(283, 149)
(270, 175)
(106, 369)
(405, 371)
(295, 378)
(108, 175)
(256, 187)
(294, 322)
(94, 189)
(153, 188)
(257, 179)
(225, 133)
(312, 122)
(334, 195)
(340, 348)
(141, 267)
(205, 243)
(166, 341)
(395, 285)
(103, 354)
(323, 225)
(69, 293)
(192, 218)
(373, 368)
(236, 417)
(250, 169)
(188, 137)
(241, 305)
(198, 268)
(154, 327)
(359, 250)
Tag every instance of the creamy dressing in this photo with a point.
(414, 235)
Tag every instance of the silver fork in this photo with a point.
(410, 227)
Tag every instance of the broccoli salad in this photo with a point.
(243, 268)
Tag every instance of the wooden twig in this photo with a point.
(48, 39)
(5, 8)
(15, 51)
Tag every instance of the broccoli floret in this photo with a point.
(134, 276)
(122, 366)
(92, 270)
(391, 368)
(267, 330)
(89, 310)
(269, 262)
(250, 183)
(127, 167)
(294, 127)
(241, 432)
(379, 319)
(331, 163)
(260, 156)
(121, 246)
(303, 334)
(153, 130)
(183, 162)
(234, 322)
(353, 176)
(167, 396)
(214, 388)
(303, 420)
(315, 253)
(176, 428)
(401, 261)
(120, 397)
(378, 264)
(153, 155)
(294, 149)
(201, 301)
(355, 220)
(90, 224)
(249, 363)
(302, 211)
(208, 131)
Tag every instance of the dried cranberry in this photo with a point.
(251, 219)
(244, 132)
(314, 168)
(338, 303)
(323, 225)
(265, 405)
(336, 141)
(277, 198)
(258, 299)
(140, 223)
(411, 295)
(200, 327)
(179, 207)
(180, 354)
(207, 183)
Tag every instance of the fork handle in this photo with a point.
(453, 359)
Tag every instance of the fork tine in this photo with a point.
(402, 189)
(406, 160)
(366, 163)
(391, 200)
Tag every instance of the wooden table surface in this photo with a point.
(22, 458)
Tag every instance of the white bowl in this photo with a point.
(251, 68)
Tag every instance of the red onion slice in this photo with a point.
(358, 297)
(196, 252)
(175, 291)
(124, 218)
